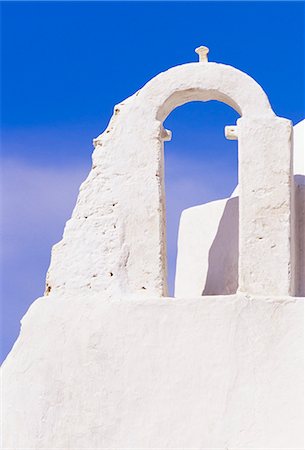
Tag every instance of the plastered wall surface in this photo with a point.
(211, 372)
(120, 211)
(105, 359)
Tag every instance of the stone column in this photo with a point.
(266, 217)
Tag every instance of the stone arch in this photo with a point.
(124, 192)
(204, 82)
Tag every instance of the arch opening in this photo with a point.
(180, 98)
(201, 166)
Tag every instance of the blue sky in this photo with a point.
(64, 67)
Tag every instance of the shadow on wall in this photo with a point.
(300, 234)
(222, 276)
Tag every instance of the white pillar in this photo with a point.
(266, 256)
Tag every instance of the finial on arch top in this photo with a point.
(202, 51)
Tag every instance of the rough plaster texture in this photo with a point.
(211, 372)
(207, 259)
(103, 360)
(115, 241)
(266, 210)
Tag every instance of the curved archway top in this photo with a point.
(119, 218)
(204, 81)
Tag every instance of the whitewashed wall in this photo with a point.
(103, 360)
(204, 373)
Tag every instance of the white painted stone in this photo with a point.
(115, 241)
(209, 232)
(298, 154)
(266, 214)
(202, 52)
(103, 361)
(231, 132)
(212, 372)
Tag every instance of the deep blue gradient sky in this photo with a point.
(65, 66)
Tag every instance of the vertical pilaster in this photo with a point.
(266, 216)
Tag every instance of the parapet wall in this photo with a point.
(211, 372)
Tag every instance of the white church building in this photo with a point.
(105, 359)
